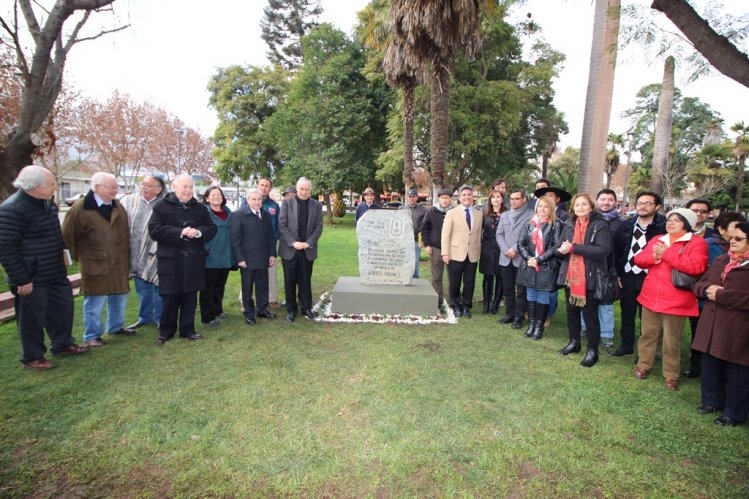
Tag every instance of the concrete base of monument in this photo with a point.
(350, 296)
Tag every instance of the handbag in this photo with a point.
(607, 285)
(680, 279)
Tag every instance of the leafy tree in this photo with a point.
(741, 150)
(612, 157)
(284, 24)
(244, 99)
(564, 170)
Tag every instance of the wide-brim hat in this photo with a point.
(563, 195)
(368, 190)
(290, 190)
(689, 216)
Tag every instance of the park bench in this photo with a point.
(7, 300)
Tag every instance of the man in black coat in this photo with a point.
(31, 252)
(431, 235)
(181, 226)
(254, 248)
(606, 206)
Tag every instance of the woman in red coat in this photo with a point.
(664, 306)
(723, 334)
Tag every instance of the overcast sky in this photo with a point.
(170, 52)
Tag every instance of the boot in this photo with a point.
(572, 347)
(541, 311)
(591, 357)
(497, 295)
(531, 319)
(487, 292)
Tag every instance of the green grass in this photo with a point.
(353, 410)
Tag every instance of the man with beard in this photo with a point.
(606, 206)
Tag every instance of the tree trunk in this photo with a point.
(439, 108)
(599, 94)
(13, 158)
(662, 142)
(329, 207)
(408, 136)
(717, 49)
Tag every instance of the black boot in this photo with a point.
(591, 357)
(497, 295)
(572, 347)
(531, 319)
(541, 311)
(487, 291)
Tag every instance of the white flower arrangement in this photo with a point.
(324, 313)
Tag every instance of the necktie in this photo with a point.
(468, 218)
(257, 214)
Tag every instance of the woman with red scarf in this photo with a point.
(585, 256)
(539, 265)
(723, 334)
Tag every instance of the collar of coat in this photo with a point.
(172, 198)
(665, 239)
(89, 202)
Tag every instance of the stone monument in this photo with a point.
(386, 263)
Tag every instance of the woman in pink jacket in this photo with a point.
(664, 306)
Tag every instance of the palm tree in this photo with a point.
(612, 156)
(662, 141)
(599, 95)
(434, 32)
(741, 149)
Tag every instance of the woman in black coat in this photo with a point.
(489, 262)
(539, 265)
(585, 255)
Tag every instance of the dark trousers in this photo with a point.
(461, 272)
(212, 297)
(631, 287)
(695, 356)
(297, 280)
(257, 279)
(590, 313)
(47, 307)
(182, 305)
(514, 293)
(725, 385)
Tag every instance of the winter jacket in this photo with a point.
(595, 250)
(417, 215)
(623, 238)
(544, 279)
(219, 248)
(658, 293)
(489, 261)
(31, 243)
(142, 247)
(431, 227)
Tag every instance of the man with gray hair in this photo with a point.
(138, 206)
(31, 252)
(301, 227)
(95, 230)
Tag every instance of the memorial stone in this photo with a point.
(386, 247)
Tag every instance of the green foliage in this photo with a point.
(284, 24)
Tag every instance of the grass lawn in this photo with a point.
(314, 409)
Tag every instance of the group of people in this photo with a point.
(172, 246)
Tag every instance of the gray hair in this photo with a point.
(181, 176)
(304, 180)
(30, 177)
(254, 191)
(98, 178)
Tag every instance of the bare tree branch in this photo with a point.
(28, 14)
(100, 34)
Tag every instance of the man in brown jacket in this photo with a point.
(96, 233)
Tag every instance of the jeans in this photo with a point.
(541, 297)
(606, 319)
(92, 306)
(416, 262)
(553, 303)
(150, 301)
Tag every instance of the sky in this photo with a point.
(170, 51)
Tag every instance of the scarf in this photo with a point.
(733, 262)
(576, 269)
(538, 236)
(610, 215)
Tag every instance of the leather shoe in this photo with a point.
(123, 332)
(466, 313)
(39, 364)
(267, 315)
(707, 409)
(691, 373)
(96, 342)
(621, 352)
(641, 373)
(517, 323)
(250, 320)
(161, 340)
(572, 347)
(290, 317)
(309, 314)
(670, 384)
(71, 349)
(725, 421)
(194, 337)
(505, 320)
(457, 312)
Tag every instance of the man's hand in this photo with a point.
(243, 264)
(298, 245)
(26, 289)
(445, 259)
(271, 261)
(428, 250)
(190, 233)
(510, 253)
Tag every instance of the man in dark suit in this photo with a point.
(301, 227)
(254, 249)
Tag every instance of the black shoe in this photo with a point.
(161, 340)
(267, 315)
(193, 337)
(290, 317)
(457, 312)
(541, 311)
(591, 357)
(725, 421)
(505, 320)
(691, 373)
(621, 352)
(308, 314)
(466, 313)
(123, 332)
(137, 325)
(706, 409)
(531, 319)
(250, 319)
(572, 347)
(517, 323)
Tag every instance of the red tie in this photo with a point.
(468, 218)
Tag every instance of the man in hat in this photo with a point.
(431, 238)
(558, 196)
(289, 193)
(367, 204)
(417, 212)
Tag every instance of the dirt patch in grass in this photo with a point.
(59, 485)
(430, 346)
(146, 478)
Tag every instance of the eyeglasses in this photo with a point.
(645, 203)
(737, 239)
(515, 199)
(699, 211)
(153, 186)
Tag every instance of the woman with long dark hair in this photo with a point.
(219, 261)
(489, 262)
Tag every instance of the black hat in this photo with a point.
(445, 192)
(563, 195)
(290, 190)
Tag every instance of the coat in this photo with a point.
(431, 227)
(489, 262)
(508, 233)
(595, 250)
(544, 279)
(31, 243)
(658, 293)
(623, 238)
(142, 247)
(457, 242)
(288, 224)
(219, 248)
(722, 329)
(252, 239)
(180, 261)
(101, 247)
(417, 215)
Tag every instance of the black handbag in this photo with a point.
(607, 285)
(680, 279)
